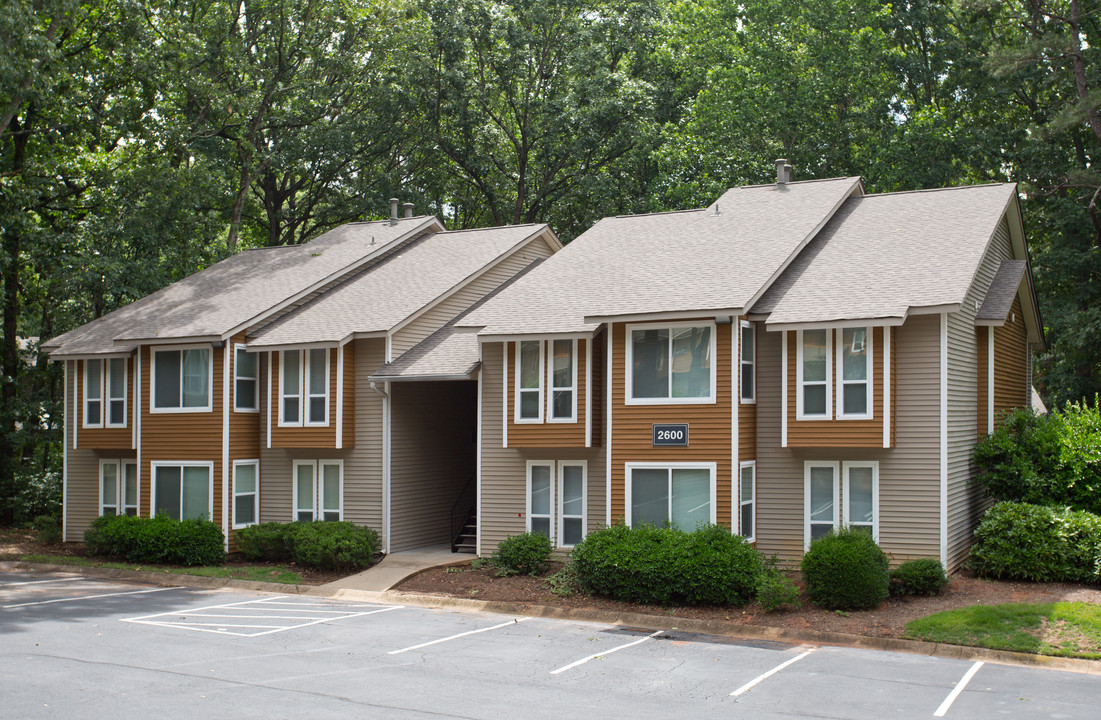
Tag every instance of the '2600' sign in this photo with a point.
(670, 435)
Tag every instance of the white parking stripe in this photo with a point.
(584, 660)
(88, 597)
(454, 637)
(181, 619)
(757, 680)
(958, 689)
(38, 582)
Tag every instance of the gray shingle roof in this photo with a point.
(379, 298)
(693, 260)
(238, 289)
(443, 354)
(882, 255)
(1003, 289)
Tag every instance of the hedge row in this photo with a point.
(1039, 543)
(157, 540)
(319, 544)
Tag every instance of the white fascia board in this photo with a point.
(119, 353)
(482, 339)
(256, 345)
(714, 313)
(836, 324)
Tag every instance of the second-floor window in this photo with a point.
(854, 381)
(749, 361)
(670, 364)
(563, 404)
(181, 380)
(105, 393)
(529, 381)
(245, 379)
(813, 374)
(304, 387)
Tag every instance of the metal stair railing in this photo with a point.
(460, 512)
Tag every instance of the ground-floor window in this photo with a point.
(318, 490)
(183, 490)
(246, 510)
(840, 493)
(118, 487)
(748, 494)
(682, 494)
(556, 504)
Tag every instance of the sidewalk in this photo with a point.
(393, 568)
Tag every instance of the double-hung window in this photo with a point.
(748, 491)
(246, 481)
(118, 487)
(854, 381)
(304, 387)
(556, 501)
(318, 490)
(182, 380)
(105, 393)
(563, 400)
(245, 379)
(748, 362)
(861, 495)
(183, 490)
(820, 499)
(529, 381)
(813, 375)
(670, 364)
(682, 494)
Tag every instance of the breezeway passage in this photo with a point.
(58, 659)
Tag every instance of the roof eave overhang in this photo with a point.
(122, 352)
(468, 375)
(720, 314)
(507, 337)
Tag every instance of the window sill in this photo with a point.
(670, 401)
(177, 411)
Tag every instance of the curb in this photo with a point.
(628, 619)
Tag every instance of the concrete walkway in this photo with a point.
(395, 567)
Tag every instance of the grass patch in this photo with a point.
(1065, 629)
(255, 573)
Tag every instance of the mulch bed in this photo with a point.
(888, 620)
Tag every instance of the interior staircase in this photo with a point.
(466, 541)
(464, 520)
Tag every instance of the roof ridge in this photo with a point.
(651, 214)
(794, 182)
(916, 191)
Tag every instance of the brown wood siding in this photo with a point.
(349, 430)
(244, 427)
(1011, 389)
(837, 433)
(503, 475)
(432, 448)
(306, 436)
(709, 433)
(181, 436)
(547, 434)
(105, 438)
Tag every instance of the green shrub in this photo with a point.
(525, 554)
(157, 540)
(775, 589)
(565, 582)
(846, 570)
(924, 576)
(333, 545)
(662, 565)
(1038, 543)
(49, 533)
(267, 542)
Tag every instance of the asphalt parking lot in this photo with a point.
(84, 647)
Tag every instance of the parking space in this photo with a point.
(65, 639)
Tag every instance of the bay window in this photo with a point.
(304, 388)
(181, 380)
(670, 364)
(682, 494)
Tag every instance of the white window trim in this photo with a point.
(874, 465)
(542, 383)
(630, 467)
(572, 388)
(255, 494)
(629, 399)
(318, 474)
(561, 475)
(120, 482)
(799, 414)
(242, 347)
(742, 362)
(96, 422)
(304, 394)
(836, 467)
(741, 503)
(104, 416)
(180, 464)
(867, 383)
(153, 379)
(527, 495)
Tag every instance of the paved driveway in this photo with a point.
(81, 647)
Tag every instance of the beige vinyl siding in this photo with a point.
(81, 470)
(965, 499)
(909, 473)
(487, 282)
(503, 476)
(432, 448)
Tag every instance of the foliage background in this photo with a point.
(141, 141)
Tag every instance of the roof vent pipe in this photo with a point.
(393, 211)
(789, 173)
(408, 209)
(781, 171)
